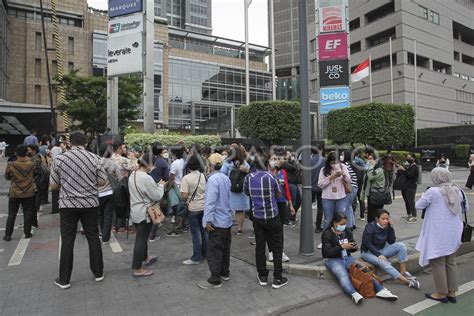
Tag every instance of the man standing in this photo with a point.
(217, 220)
(78, 174)
(125, 166)
(264, 191)
(32, 139)
(21, 173)
(317, 163)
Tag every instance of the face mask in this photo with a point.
(409, 160)
(252, 158)
(273, 164)
(341, 158)
(341, 228)
(166, 155)
(224, 157)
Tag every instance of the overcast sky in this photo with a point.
(228, 19)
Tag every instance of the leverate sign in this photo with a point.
(333, 98)
(332, 46)
(122, 7)
(332, 19)
(124, 54)
(124, 25)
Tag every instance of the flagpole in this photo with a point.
(247, 74)
(416, 94)
(391, 71)
(370, 77)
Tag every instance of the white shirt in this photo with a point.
(143, 193)
(177, 168)
(3, 145)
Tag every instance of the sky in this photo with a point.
(228, 19)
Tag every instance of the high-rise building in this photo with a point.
(192, 15)
(3, 51)
(444, 31)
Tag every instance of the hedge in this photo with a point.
(462, 151)
(398, 155)
(144, 140)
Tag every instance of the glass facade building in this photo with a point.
(192, 15)
(3, 52)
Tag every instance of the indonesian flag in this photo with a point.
(361, 71)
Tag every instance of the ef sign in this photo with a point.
(332, 46)
(334, 73)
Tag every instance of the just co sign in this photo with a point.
(334, 73)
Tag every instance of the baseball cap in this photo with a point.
(216, 159)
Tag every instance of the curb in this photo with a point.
(320, 271)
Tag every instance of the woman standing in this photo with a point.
(346, 160)
(410, 172)
(443, 162)
(143, 192)
(440, 236)
(470, 180)
(374, 178)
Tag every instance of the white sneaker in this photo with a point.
(173, 219)
(190, 262)
(320, 246)
(285, 258)
(357, 298)
(270, 256)
(386, 295)
(100, 279)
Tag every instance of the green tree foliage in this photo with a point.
(144, 140)
(86, 101)
(376, 124)
(270, 121)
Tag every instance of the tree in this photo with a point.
(270, 121)
(86, 101)
(376, 124)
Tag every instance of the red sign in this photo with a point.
(332, 46)
(332, 19)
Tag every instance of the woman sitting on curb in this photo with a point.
(338, 243)
(378, 246)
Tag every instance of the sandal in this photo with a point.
(442, 300)
(151, 261)
(147, 273)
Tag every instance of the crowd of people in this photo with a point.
(209, 191)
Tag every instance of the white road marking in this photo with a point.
(114, 244)
(1, 250)
(3, 228)
(421, 306)
(20, 250)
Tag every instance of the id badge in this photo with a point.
(334, 189)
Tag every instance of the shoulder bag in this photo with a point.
(154, 210)
(467, 229)
(361, 277)
(347, 186)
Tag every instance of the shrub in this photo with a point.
(144, 140)
(461, 151)
(399, 155)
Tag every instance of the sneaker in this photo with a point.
(225, 278)
(412, 220)
(318, 230)
(7, 238)
(20, 225)
(414, 284)
(28, 236)
(361, 219)
(262, 280)
(61, 285)
(173, 234)
(238, 232)
(270, 256)
(357, 298)
(100, 279)
(285, 258)
(173, 219)
(251, 236)
(105, 243)
(278, 283)
(409, 276)
(184, 229)
(386, 295)
(320, 246)
(206, 285)
(154, 238)
(405, 217)
(190, 262)
(290, 224)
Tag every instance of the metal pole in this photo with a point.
(148, 68)
(272, 45)
(50, 87)
(232, 121)
(306, 231)
(416, 94)
(391, 71)
(247, 74)
(370, 77)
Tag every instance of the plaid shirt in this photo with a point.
(262, 187)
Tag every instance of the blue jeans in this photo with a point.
(398, 249)
(340, 268)
(348, 208)
(199, 236)
(330, 208)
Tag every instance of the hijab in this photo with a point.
(450, 191)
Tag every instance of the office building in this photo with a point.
(3, 51)
(192, 15)
(444, 31)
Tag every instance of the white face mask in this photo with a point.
(273, 164)
(166, 155)
(341, 158)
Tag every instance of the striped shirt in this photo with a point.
(353, 175)
(262, 187)
(77, 172)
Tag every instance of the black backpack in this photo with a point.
(121, 199)
(237, 178)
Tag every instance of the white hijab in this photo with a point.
(450, 191)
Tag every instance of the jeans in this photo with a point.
(284, 212)
(199, 236)
(295, 198)
(319, 201)
(409, 198)
(340, 268)
(349, 210)
(13, 207)
(398, 249)
(106, 212)
(389, 177)
(330, 208)
(140, 249)
(361, 204)
(268, 232)
(218, 254)
(68, 224)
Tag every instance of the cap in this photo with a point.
(216, 159)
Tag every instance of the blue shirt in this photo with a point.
(161, 170)
(238, 200)
(263, 188)
(31, 140)
(216, 206)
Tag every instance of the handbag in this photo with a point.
(400, 182)
(183, 205)
(347, 186)
(361, 277)
(380, 196)
(467, 229)
(154, 210)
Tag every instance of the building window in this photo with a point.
(37, 94)
(424, 12)
(380, 12)
(38, 68)
(70, 66)
(38, 41)
(441, 67)
(383, 62)
(456, 56)
(314, 84)
(356, 47)
(354, 24)
(457, 74)
(54, 68)
(434, 17)
(71, 45)
(312, 46)
(313, 66)
(464, 77)
(467, 59)
(381, 37)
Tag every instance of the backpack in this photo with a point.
(43, 176)
(121, 199)
(237, 178)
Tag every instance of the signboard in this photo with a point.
(332, 46)
(328, 3)
(334, 73)
(332, 19)
(122, 7)
(333, 98)
(124, 55)
(124, 25)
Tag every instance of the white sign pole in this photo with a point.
(112, 104)
(148, 67)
